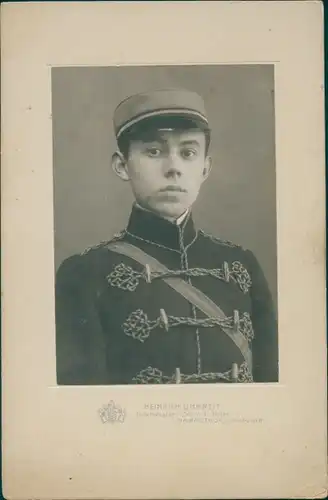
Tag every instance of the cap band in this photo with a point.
(188, 113)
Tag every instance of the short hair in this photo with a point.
(145, 129)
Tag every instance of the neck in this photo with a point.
(174, 220)
(150, 226)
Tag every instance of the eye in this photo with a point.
(153, 152)
(188, 153)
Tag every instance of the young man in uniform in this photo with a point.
(163, 302)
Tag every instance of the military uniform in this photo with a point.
(109, 326)
(119, 322)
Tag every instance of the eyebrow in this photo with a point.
(162, 140)
(190, 142)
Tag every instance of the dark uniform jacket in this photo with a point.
(109, 325)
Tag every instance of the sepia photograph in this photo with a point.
(163, 206)
(165, 224)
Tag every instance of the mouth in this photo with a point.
(173, 188)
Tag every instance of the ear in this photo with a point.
(207, 167)
(119, 166)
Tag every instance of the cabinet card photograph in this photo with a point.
(163, 203)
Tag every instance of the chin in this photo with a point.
(170, 211)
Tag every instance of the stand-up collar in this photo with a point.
(149, 226)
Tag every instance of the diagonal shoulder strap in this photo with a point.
(188, 291)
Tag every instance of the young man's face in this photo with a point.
(166, 170)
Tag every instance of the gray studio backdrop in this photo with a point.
(238, 202)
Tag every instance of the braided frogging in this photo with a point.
(151, 375)
(139, 326)
(126, 278)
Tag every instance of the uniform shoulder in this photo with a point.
(87, 262)
(103, 244)
(71, 271)
(220, 241)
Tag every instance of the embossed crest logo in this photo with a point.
(112, 413)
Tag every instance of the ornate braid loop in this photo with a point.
(244, 373)
(246, 327)
(152, 375)
(241, 275)
(139, 327)
(126, 278)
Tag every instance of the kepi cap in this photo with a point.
(159, 103)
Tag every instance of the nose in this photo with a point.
(172, 166)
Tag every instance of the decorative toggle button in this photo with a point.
(147, 273)
(234, 372)
(177, 376)
(164, 319)
(226, 271)
(236, 320)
